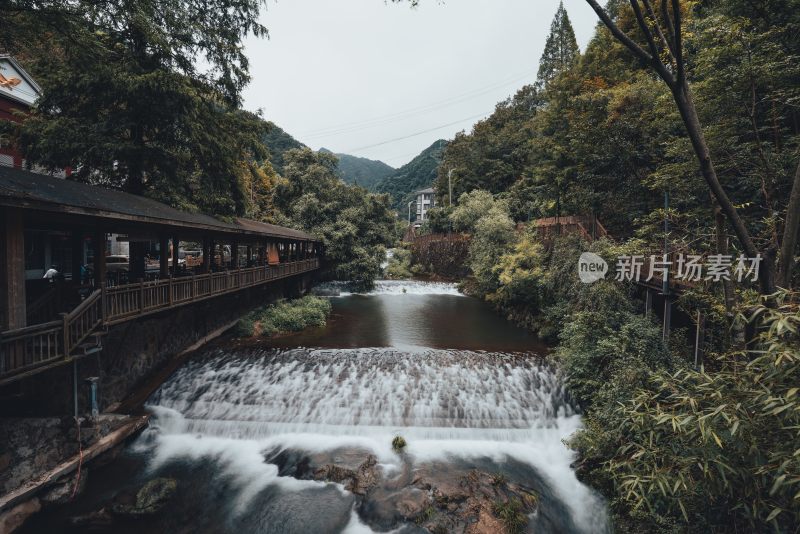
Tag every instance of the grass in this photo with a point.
(285, 316)
(512, 514)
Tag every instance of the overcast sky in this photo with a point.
(385, 81)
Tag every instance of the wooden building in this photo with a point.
(49, 321)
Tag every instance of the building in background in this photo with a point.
(425, 201)
(18, 93)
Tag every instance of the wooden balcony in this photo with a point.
(33, 349)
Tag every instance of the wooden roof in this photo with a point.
(28, 190)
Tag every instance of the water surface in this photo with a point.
(238, 425)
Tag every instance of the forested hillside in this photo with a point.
(361, 171)
(679, 128)
(417, 174)
(278, 142)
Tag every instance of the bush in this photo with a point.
(285, 316)
(399, 267)
(596, 345)
(398, 443)
(702, 451)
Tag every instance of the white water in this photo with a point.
(462, 404)
(447, 404)
(392, 287)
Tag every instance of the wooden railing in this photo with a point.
(40, 346)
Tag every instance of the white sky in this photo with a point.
(350, 74)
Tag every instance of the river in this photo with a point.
(239, 426)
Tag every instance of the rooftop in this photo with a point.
(426, 191)
(25, 189)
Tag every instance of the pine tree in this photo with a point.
(561, 50)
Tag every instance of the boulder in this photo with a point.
(151, 498)
(12, 519)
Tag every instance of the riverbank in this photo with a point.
(45, 460)
(273, 433)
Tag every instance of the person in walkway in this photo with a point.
(51, 273)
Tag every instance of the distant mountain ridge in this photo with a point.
(361, 171)
(278, 142)
(417, 174)
(373, 175)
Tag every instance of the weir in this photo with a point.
(66, 298)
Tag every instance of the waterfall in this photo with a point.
(445, 403)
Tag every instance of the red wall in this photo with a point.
(6, 108)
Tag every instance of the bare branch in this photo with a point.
(668, 23)
(619, 34)
(657, 64)
(664, 41)
(676, 15)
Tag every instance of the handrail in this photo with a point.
(32, 348)
(8, 334)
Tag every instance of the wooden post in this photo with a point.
(176, 248)
(249, 254)
(12, 269)
(697, 341)
(163, 256)
(77, 257)
(99, 248)
(65, 333)
(207, 247)
(235, 254)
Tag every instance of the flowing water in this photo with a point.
(237, 424)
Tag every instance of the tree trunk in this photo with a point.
(721, 245)
(790, 234)
(685, 103)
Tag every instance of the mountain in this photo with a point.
(417, 174)
(361, 171)
(278, 142)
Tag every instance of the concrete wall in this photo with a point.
(135, 350)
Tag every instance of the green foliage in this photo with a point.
(278, 142)
(399, 443)
(285, 316)
(125, 104)
(560, 50)
(497, 151)
(417, 174)
(492, 232)
(363, 172)
(512, 514)
(355, 226)
(399, 267)
(706, 451)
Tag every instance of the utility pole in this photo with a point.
(665, 286)
(450, 186)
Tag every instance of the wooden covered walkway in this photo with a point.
(235, 256)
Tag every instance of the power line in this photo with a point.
(377, 121)
(416, 133)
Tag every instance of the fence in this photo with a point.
(48, 344)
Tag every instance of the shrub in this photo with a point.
(399, 267)
(702, 451)
(398, 443)
(285, 316)
(512, 514)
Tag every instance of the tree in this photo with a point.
(663, 35)
(126, 102)
(561, 49)
(355, 226)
